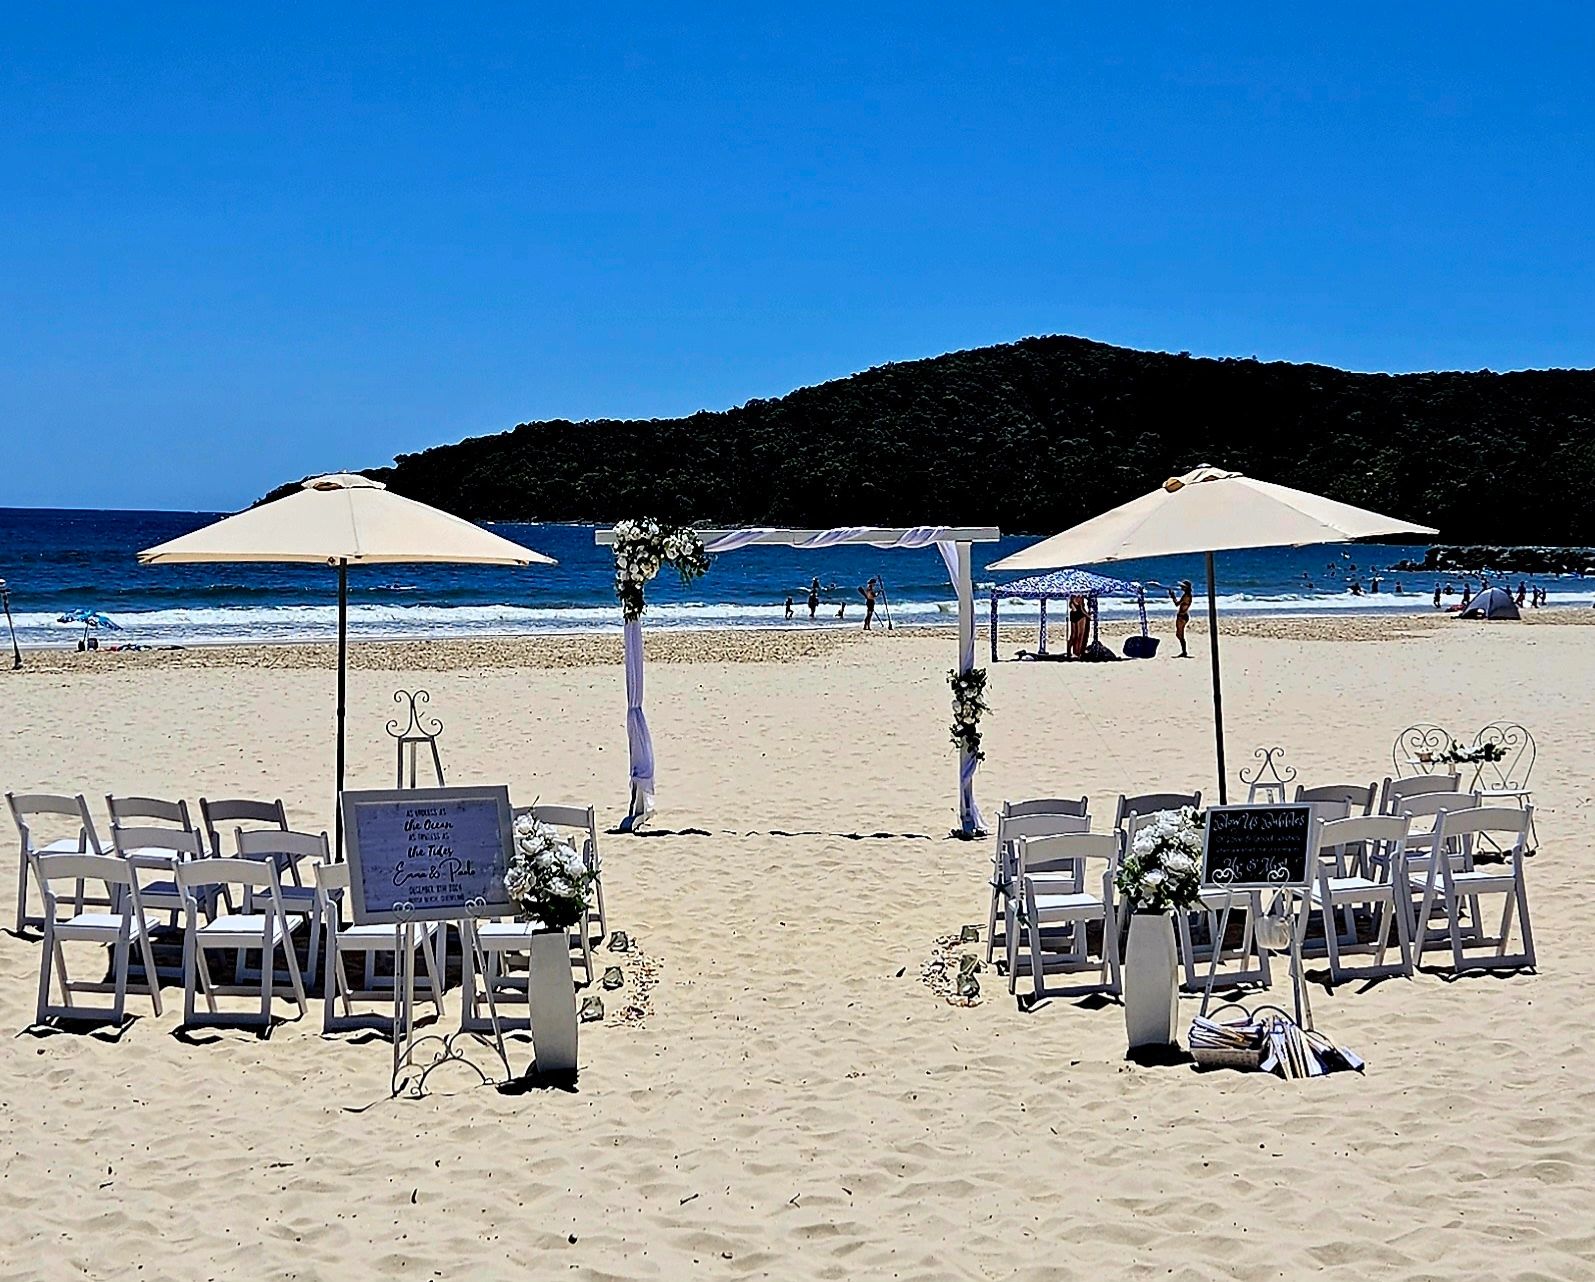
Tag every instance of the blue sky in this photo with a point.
(237, 246)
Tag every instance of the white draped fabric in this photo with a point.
(639, 742)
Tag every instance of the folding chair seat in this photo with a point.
(268, 928)
(37, 816)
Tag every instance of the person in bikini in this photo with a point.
(1182, 614)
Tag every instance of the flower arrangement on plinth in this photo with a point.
(1459, 755)
(547, 876)
(969, 705)
(1161, 872)
(642, 548)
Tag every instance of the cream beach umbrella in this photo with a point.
(1208, 510)
(343, 520)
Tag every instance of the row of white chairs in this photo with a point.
(90, 895)
(1375, 853)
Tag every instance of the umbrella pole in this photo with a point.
(1218, 694)
(343, 646)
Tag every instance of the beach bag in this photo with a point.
(1140, 647)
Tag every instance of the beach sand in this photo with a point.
(795, 1103)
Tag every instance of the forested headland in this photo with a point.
(1038, 434)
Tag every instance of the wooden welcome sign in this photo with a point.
(427, 854)
(1256, 847)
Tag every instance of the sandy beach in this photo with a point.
(792, 1101)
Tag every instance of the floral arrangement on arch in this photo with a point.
(969, 705)
(642, 548)
(1460, 755)
(547, 876)
(1161, 872)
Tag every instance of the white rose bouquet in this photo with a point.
(642, 549)
(547, 875)
(1161, 872)
(969, 705)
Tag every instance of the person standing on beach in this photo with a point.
(814, 598)
(868, 593)
(789, 607)
(1522, 593)
(1436, 596)
(1182, 614)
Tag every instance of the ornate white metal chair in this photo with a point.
(37, 816)
(120, 929)
(1451, 888)
(1506, 781)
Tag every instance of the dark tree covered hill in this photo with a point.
(1035, 435)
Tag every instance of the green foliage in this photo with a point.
(1036, 435)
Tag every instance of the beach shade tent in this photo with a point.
(1492, 603)
(1208, 510)
(342, 520)
(1063, 583)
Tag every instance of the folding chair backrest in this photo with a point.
(1149, 803)
(1044, 806)
(1354, 798)
(1417, 744)
(232, 870)
(142, 810)
(233, 812)
(282, 847)
(1512, 822)
(1513, 770)
(1380, 836)
(1427, 805)
(1065, 851)
(113, 873)
(51, 807)
(185, 844)
(1393, 798)
(581, 818)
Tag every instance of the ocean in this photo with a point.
(57, 561)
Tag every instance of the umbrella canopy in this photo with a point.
(1208, 510)
(90, 619)
(1066, 583)
(343, 519)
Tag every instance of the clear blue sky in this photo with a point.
(237, 246)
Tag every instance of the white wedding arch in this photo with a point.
(953, 542)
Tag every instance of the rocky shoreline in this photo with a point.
(1472, 558)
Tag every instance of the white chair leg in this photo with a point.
(1010, 939)
(1038, 968)
(1182, 924)
(1326, 913)
(1522, 893)
(119, 957)
(46, 960)
(991, 918)
(429, 962)
(152, 981)
(202, 966)
(268, 969)
(1110, 945)
(190, 967)
(294, 979)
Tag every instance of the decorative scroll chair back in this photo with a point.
(1417, 744)
(1513, 770)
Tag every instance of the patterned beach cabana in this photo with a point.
(1063, 583)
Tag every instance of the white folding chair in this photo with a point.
(299, 898)
(332, 883)
(1381, 841)
(119, 929)
(1449, 888)
(37, 816)
(1010, 829)
(1354, 799)
(1056, 889)
(1149, 803)
(1045, 806)
(238, 812)
(268, 929)
(581, 823)
(157, 852)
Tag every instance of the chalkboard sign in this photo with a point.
(427, 853)
(1252, 847)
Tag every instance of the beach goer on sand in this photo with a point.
(814, 597)
(1182, 614)
(1467, 594)
(868, 593)
(1436, 596)
(1522, 593)
(1078, 627)
(789, 607)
